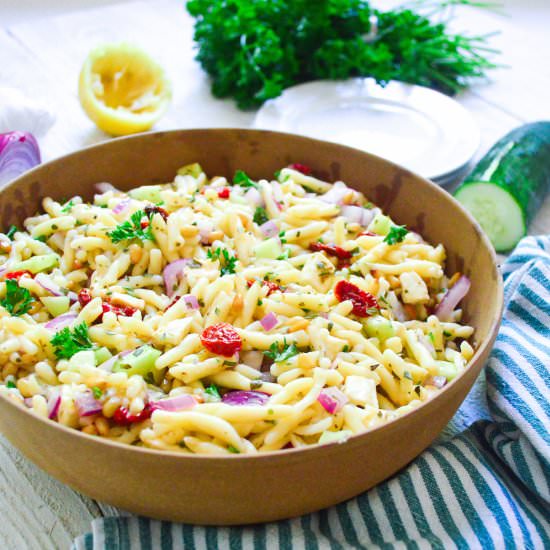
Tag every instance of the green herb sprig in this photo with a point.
(260, 216)
(243, 180)
(279, 354)
(67, 342)
(253, 50)
(396, 234)
(131, 229)
(18, 300)
(227, 261)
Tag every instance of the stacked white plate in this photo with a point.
(421, 129)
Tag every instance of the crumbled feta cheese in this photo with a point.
(361, 391)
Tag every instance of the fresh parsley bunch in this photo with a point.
(254, 49)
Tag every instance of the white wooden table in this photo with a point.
(42, 57)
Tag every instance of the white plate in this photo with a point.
(418, 128)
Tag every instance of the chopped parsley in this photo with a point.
(18, 300)
(67, 207)
(396, 234)
(213, 391)
(255, 384)
(345, 349)
(41, 238)
(10, 384)
(285, 255)
(132, 229)
(233, 450)
(67, 342)
(97, 392)
(280, 354)
(431, 337)
(447, 334)
(282, 237)
(227, 262)
(11, 232)
(260, 216)
(241, 178)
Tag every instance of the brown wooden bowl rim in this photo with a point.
(354, 440)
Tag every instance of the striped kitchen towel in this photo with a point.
(484, 484)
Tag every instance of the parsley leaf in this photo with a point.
(227, 262)
(396, 235)
(241, 178)
(97, 392)
(285, 255)
(11, 232)
(10, 384)
(67, 342)
(278, 354)
(132, 229)
(18, 300)
(260, 216)
(67, 207)
(213, 391)
(233, 450)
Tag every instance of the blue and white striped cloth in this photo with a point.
(484, 484)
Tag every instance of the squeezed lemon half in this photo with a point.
(122, 89)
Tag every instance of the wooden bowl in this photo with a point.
(248, 489)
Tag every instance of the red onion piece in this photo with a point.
(122, 206)
(173, 273)
(28, 402)
(269, 229)
(179, 403)
(452, 297)
(332, 400)
(205, 230)
(54, 402)
(253, 359)
(47, 284)
(104, 187)
(19, 152)
(269, 321)
(267, 377)
(108, 365)
(396, 307)
(241, 397)
(254, 197)
(87, 404)
(62, 321)
(368, 216)
(73, 296)
(191, 301)
(336, 194)
(437, 381)
(353, 214)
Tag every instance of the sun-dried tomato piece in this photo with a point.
(84, 297)
(362, 301)
(368, 234)
(150, 210)
(221, 339)
(304, 168)
(331, 250)
(17, 274)
(271, 286)
(224, 193)
(123, 417)
(125, 311)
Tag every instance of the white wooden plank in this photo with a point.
(38, 512)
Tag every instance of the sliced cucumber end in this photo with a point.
(496, 211)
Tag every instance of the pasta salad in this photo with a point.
(222, 317)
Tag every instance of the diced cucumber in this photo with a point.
(379, 327)
(332, 437)
(56, 305)
(141, 361)
(270, 249)
(194, 170)
(508, 185)
(36, 264)
(380, 225)
(102, 355)
(149, 193)
(446, 369)
(84, 358)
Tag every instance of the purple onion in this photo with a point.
(241, 397)
(437, 381)
(254, 197)
(19, 152)
(452, 297)
(332, 400)
(28, 402)
(353, 214)
(191, 301)
(336, 194)
(269, 229)
(205, 230)
(47, 284)
(87, 404)
(122, 206)
(269, 321)
(108, 365)
(61, 321)
(54, 402)
(179, 403)
(73, 296)
(173, 273)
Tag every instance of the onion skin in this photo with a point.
(19, 152)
